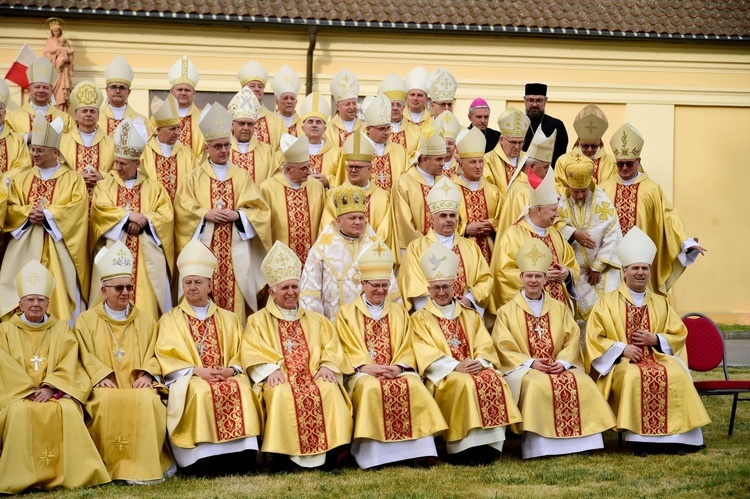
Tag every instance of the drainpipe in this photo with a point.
(313, 31)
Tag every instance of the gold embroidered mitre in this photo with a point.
(86, 94)
(280, 264)
(533, 256)
(590, 123)
(285, 81)
(344, 86)
(183, 71)
(244, 105)
(376, 262)
(447, 125)
(41, 71)
(444, 196)
(130, 139)
(578, 171)
(626, 143)
(442, 86)
(215, 122)
(377, 110)
(513, 124)
(35, 279)
(357, 147)
(115, 261)
(348, 198)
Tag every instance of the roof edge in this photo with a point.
(371, 25)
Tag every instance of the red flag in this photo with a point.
(17, 71)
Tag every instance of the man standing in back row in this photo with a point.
(535, 99)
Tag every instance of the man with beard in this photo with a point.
(535, 99)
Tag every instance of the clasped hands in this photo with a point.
(277, 377)
(557, 273)
(380, 371)
(548, 367)
(143, 381)
(641, 339)
(222, 215)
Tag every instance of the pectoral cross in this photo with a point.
(128, 207)
(42, 202)
(539, 330)
(372, 353)
(36, 360)
(119, 353)
(220, 204)
(201, 348)
(382, 176)
(454, 342)
(289, 345)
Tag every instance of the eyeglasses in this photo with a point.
(534, 101)
(383, 286)
(119, 288)
(118, 88)
(514, 143)
(219, 147)
(356, 168)
(444, 288)
(625, 164)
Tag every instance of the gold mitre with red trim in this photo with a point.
(376, 262)
(590, 123)
(357, 147)
(280, 264)
(578, 171)
(439, 263)
(626, 143)
(115, 261)
(513, 124)
(35, 279)
(348, 198)
(533, 256)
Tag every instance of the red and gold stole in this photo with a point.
(380, 172)
(130, 199)
(626, 204)
(166, 170)
(555, 289)
(222, 197)
(298, 216)
(246, 161)
(186, 131)
(476, 211)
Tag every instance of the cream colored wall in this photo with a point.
(671, 92)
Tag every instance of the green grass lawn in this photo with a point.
(720, 470)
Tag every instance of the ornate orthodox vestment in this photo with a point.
(306, 417)
(563, 409)
(206, 418)
(152, 249)
(240, 246)
(128, 425)
(45, 444)
(477, 407)
(654, 397)
(60, 243)
(386, 411)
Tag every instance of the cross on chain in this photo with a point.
(119, 353)
(201, 348)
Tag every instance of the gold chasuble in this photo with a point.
(467, 401)
(473, 271)
(565, 405)
(21, 120)
(200, 411)
(505, 269)
(3, 204)
(643, 204)
(515, 202)
(498, 169)
(337, 134)
(45, 444)
(384, 170)
(411, 215)
(306, 416)
(295, 213)
(99, 156)
(655, 396)
(13, 151)
(153, 253)
(167, 170)
(128, 425)
(269, 128)
(237, 278)
(190, 135)
(257, 159)
(478, 205)
(407, 137)
(326, 161)
(379, 215)
(108, 122)
(386, 410)
(63, 195)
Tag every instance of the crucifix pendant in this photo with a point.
(119, 353)
(201, 348)
(539, 330)
(128, 207)
(372, 353)
(220, 204)
(36, 360)
(455, 343)
(289, 345)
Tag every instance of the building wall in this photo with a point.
(690, 101)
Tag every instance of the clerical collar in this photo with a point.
(447, 241)
(448, 311)
(631, 181)
(349, 238)
(513, 161)
(396, 126)
(243, 146)
(349, 125)
(27, 321)
(118, 112)
(471, 184)
(638, 298)
(540, 231)
(220, 170)
(364, 187)
(39, 109)
(46, 173)
(314, 149)
(294, 185)
(118, 315)
(430, 179)
(287, 313)
(129, 183)
(534, 305)
(87, 137)
(379, 149)
(201, 312)
(416, 117)
(183, 111)
(375, 310)
(288, 120)
(166, 149)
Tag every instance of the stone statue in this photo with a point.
(60, 53)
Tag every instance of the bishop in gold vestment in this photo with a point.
(295, 357)
(13, 150)
(118, 78)
(538, 343)
(128, 420)
(42, 388)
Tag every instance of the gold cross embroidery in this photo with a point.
(534, 254)
(33, 278)
(46, 457)
(379, 249)
(120, 443)
(604, 211)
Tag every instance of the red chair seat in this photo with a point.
(721, 384)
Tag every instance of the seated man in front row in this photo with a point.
(454, 352)
(539, 346)
(213, 416)
(395, 417)
(635, 346)
(44, 441)
(294, 356)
